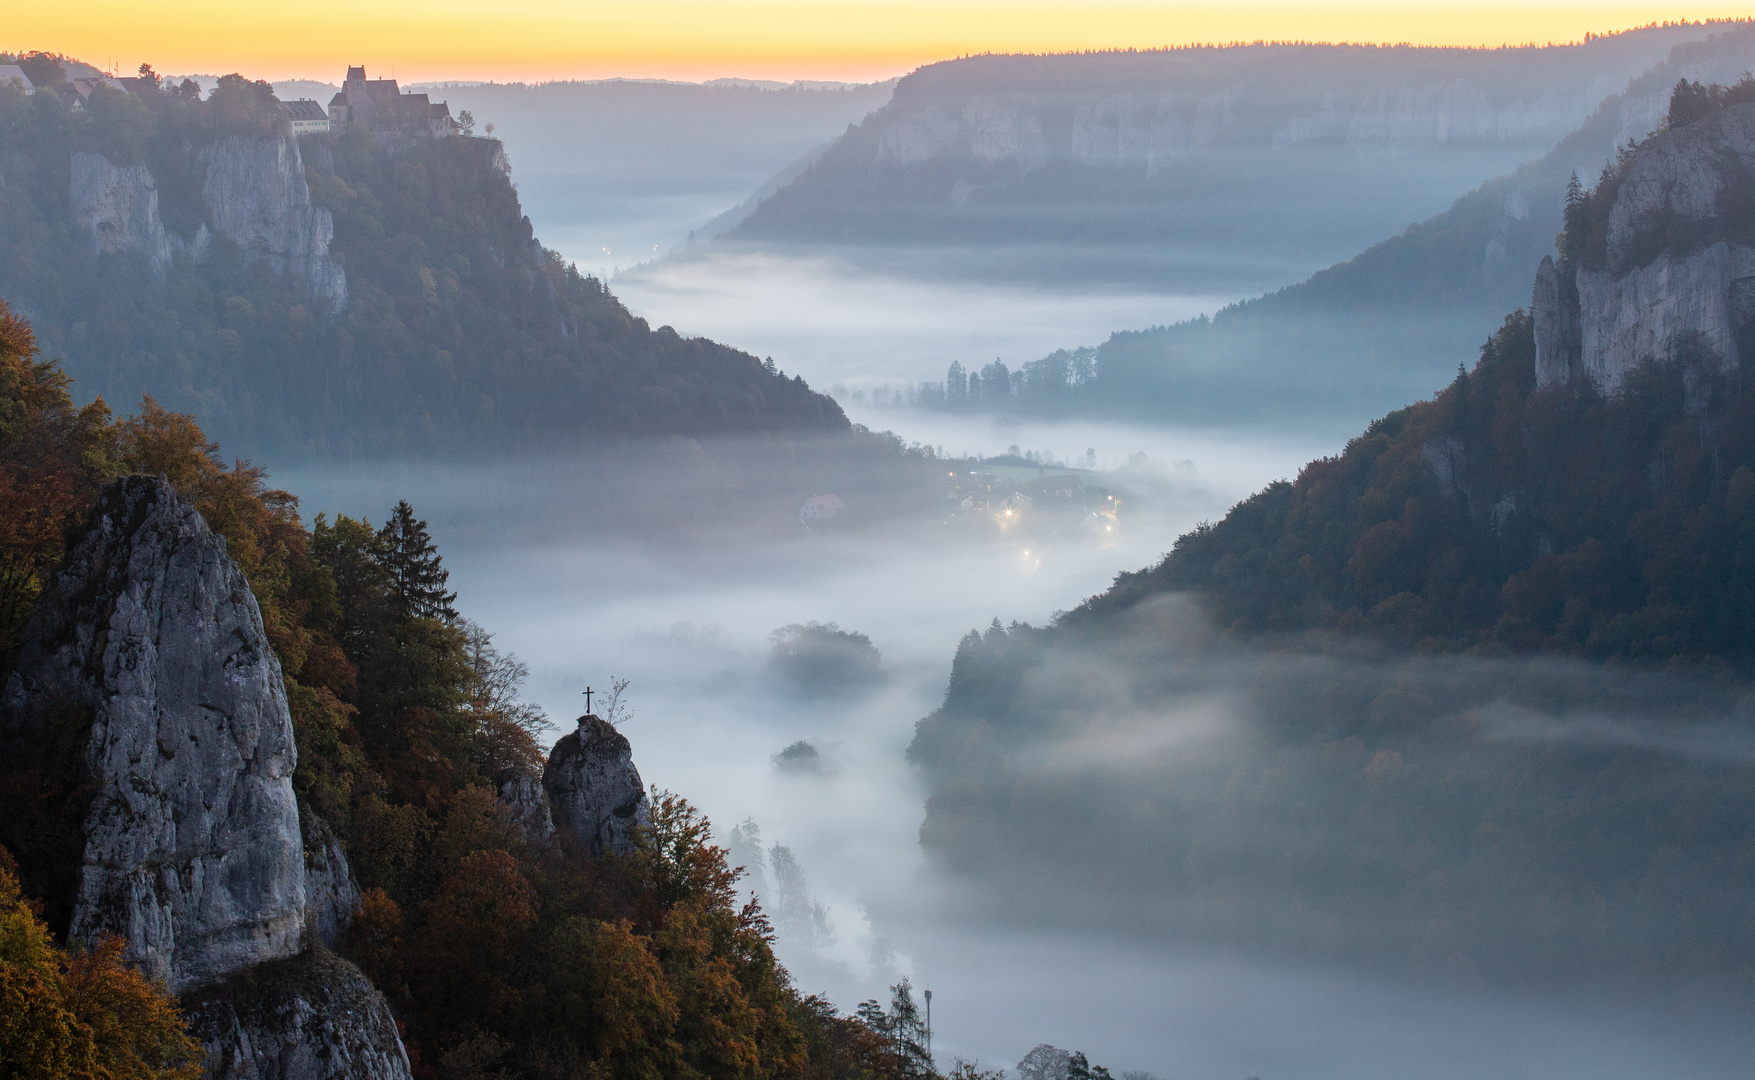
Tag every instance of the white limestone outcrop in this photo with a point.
(192, 843)
(255, 194)
(118, 205)
(1672, 279)
(593, 789)
(310, 1017)
(193, 848)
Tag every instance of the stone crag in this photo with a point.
(255, 191)
(192, 847)
(147, 662)
(1677, 274)
(309, 1016)
(255, 194)
(593, 788)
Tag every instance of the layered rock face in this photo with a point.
(151, 643)
(1674, 279)
(255, 190)
(593, 788)
(255, 193)
(119, 207)
(192, 848)
(312, 1016)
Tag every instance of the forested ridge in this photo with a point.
(460, 334)
(502, 953)
(1462, 701)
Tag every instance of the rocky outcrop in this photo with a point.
(1676, 274)
(311, 1017)
(331, 894)
(118, 205)
(147, 659)
(150, 636)
(255, 191)
(527, 803)
(593, 788)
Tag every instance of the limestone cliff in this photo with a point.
(254, 188)
(151, 636)
(1676, 271)
(254, 191)
(146, 661)
(119, 207)
(594, 789)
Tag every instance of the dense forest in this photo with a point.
(460, 332)
(503, 954)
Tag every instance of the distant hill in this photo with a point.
(1363, 336)
(360, 293)
(1222, 167)
(611, 169)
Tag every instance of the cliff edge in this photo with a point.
(1669, 273)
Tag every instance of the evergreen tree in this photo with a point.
(1576, 218)
(412, 559)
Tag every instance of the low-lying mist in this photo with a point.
(627, 566)
(1484, 819)
(867, 326)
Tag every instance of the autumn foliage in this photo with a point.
(81, 1013)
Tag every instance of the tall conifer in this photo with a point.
(413, 561)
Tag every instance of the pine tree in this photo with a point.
(1576, 218)
(415, 570)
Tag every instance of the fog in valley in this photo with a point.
(1075, 939)
(1139, 876)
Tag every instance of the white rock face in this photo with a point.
(525, 799)
(313, 1017)
(331, 894)
(1656, 308)
(119, 206)
(1651, 301)
(593, 788)
(918, 136)
(1000, 132)
(255, 191)
(192, 849)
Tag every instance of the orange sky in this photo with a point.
(695, 39)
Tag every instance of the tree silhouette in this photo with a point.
(415, 569)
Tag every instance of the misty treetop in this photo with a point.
(460, 331)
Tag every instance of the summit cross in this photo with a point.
(588, 693)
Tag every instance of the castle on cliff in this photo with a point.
(380, 105)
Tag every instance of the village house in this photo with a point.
(77, 92)
(820, 507)
(12, 73)
(380, 105)
(305, 116)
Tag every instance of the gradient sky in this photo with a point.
(694, 39)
